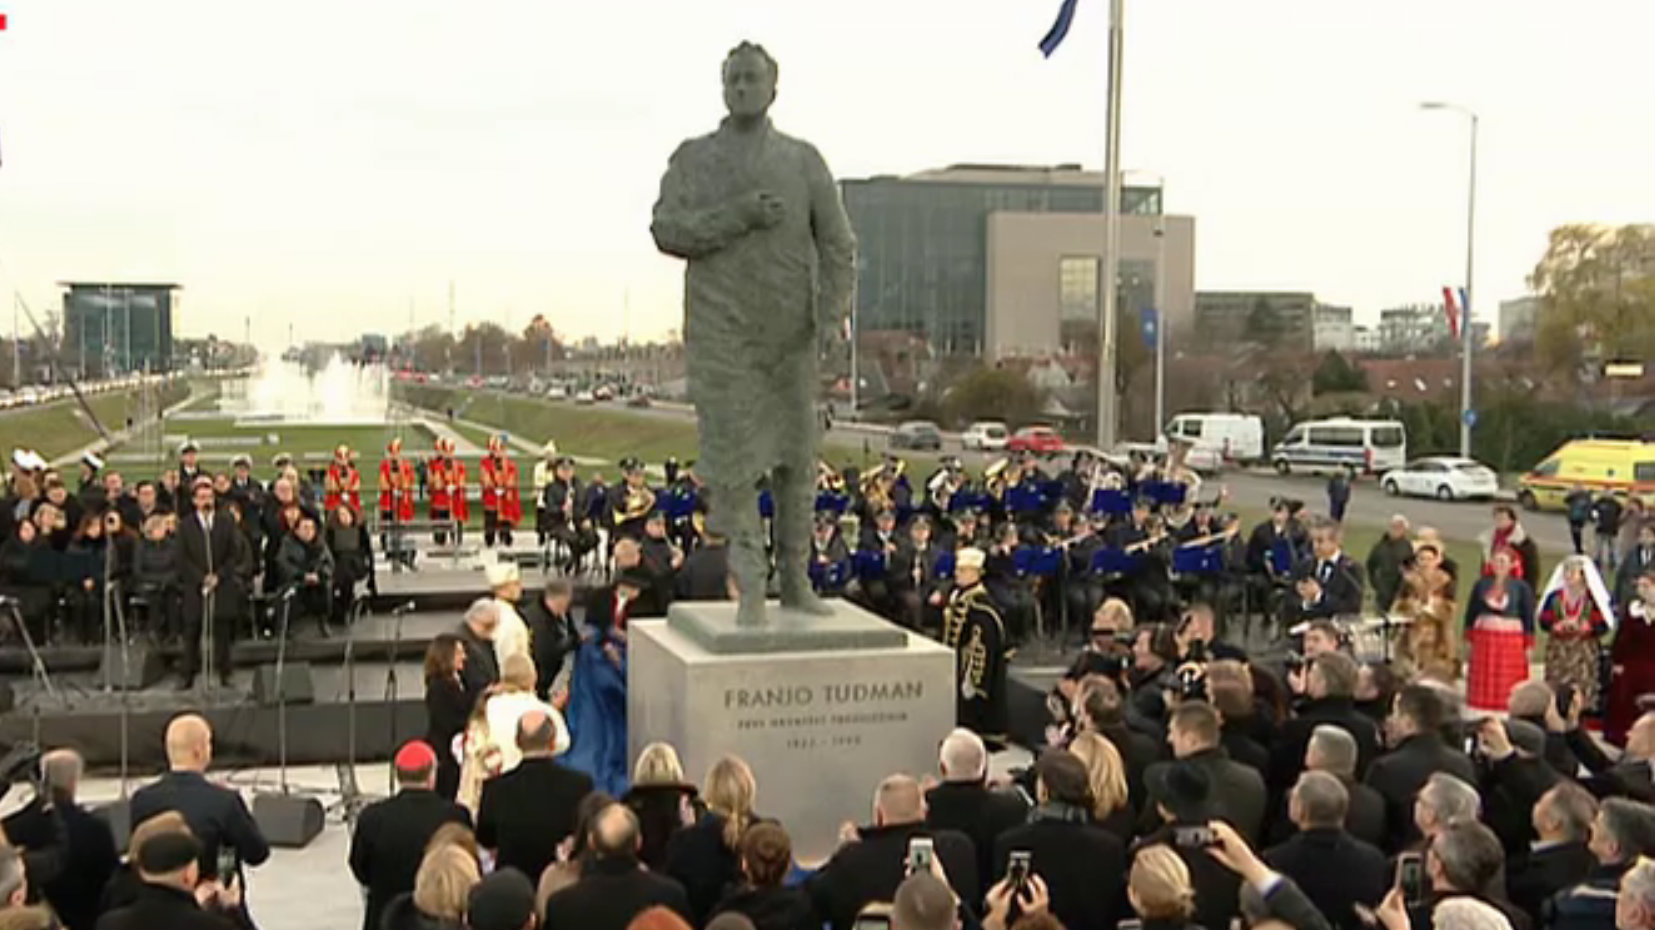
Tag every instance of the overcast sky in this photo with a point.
(331, 163)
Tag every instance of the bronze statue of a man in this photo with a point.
(772, 265)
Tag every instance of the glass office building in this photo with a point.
(110, 329)
(923, 243)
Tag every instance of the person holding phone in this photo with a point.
(1063, 845)
(217, 816)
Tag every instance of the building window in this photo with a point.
(1077, 287)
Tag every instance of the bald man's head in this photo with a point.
(615, 832)
(898, 801)
(189, 743)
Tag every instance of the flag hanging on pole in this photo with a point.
(1060, 28)
(1451, 305)
(1149, 321)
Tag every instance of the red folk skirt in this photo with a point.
(1499, 662)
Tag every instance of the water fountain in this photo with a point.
(338, 393)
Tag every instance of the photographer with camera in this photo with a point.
(37, 830)
(1153, 674)
(1330, 699)
(54, 824)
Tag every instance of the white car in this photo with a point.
(1446, 478)
(557, 392)
(584, 397)
(985, 436)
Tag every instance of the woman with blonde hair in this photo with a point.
(705, 857)
(507, 705)
(442, 887)
(663, 801)
(1160, 890)
(457, 835)
(1106, 776)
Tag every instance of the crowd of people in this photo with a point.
(1182, 782)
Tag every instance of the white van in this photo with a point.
(1237, 437)
(1367, 445)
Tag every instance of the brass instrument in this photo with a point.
(828, 478)
(876, 491)
(1155, 537)
(1210, 538)
(635, 505)
(999, 476)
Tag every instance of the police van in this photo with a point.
(1366, 445)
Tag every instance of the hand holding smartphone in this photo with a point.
(920, 853)
(1410, 878)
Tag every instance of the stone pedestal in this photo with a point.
(819, 718)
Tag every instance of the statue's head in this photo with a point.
(749, 81)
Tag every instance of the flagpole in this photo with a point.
(1109, 267)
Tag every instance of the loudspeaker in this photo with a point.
(289, 821)
(296, 681)
(144, 667)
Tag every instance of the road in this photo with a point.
(1251, 489)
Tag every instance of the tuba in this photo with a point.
(875, 491)
(635, 505)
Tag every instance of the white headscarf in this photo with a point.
(1594, 585)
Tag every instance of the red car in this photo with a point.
(1042, 440)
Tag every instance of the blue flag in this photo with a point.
(1060, 28)
(1150, 323)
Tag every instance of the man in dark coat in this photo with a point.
(476, 633)
(705, 575)
(965, 803)
(88, 855)
(1387, 560)
(1337, 870)
(528, 811)
(1329, 583)
(390, 836)
(1237, 791)
(869, 868)
(216, 815)
(1330, 688)
(1332, 750)
(613, 888)
(1630, 776)
(214, 566)
(1559, 859)
(1070, 853)
(168, 864)
(1418, 750)
(554, 639)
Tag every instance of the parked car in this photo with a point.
(557, 392)
(1445, 478)
(916, 434)
(638, 399)
(585, 397)
(985, 436)
(1236, 436)
(1038, 439)
(603, 392)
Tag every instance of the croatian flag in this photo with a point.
(1454, 304)
(1060, 28)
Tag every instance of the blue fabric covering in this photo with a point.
(597, 718)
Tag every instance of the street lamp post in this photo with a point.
(1466, 410)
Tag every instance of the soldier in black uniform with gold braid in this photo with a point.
(633, 501)
(973, 627)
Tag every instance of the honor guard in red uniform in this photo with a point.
(396, 485)
(446, 476)
(343, 482)
(502, 502)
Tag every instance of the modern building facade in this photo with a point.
(1333, 330)
(1519, 319)
(110, 328)
(1227, 317)
(990, 260)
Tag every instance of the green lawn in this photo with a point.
(62, 426)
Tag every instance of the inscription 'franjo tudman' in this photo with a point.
(806, 695)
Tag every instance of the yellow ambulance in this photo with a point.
(1595, 464)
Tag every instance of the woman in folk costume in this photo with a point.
(1499, 624)
(1575, 613)
(396, 485)
(502, 502)
(1426, 601)
(1632, 661)
(1509, 534)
